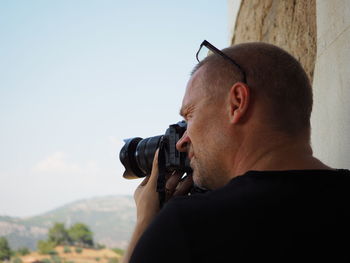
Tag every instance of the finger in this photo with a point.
(144, 181)
(184, 186)
(171, 184)
(155, 171)
(173, 181)
(140, 186)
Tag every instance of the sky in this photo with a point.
(78, 77)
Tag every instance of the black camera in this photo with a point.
(137, 153)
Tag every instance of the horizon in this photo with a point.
(50, 210)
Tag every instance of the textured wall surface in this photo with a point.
(330, 120)
(290, 24)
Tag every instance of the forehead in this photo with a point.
(194, 90)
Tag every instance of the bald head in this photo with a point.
(275, 78)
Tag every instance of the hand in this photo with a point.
(177, 186)
(146, 196)
(147, 201)
(147, 206)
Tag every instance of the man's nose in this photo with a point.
(182, 144)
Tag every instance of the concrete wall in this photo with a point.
(331, 115)
(318, 34)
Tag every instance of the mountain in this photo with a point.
(110, 218)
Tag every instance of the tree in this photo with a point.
(5, 251)
(58, 234)
(22, 251)
(46, 247)
(80, 234)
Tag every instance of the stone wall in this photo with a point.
(290, 24)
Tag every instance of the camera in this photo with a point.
(137, 154)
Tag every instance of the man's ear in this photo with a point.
(239, 97)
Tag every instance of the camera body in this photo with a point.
(137, 154)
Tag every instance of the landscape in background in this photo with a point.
(65, 254)
(110, 219)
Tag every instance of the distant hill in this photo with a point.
(110, 218)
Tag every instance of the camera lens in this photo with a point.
(145, 151)
(137, 156)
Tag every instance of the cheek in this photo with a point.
(195, 133)
(201, 140)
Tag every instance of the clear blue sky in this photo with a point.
(77, 77)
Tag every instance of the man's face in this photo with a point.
(204, 138)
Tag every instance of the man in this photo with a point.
(248, 140)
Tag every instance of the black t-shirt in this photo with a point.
(261, 216)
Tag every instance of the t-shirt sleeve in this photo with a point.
(164, 240)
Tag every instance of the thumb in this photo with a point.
(154, 174)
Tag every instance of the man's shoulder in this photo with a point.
(255, 185)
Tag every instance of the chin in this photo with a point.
(197, 180)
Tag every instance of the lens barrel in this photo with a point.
(145, 153)
(137, 156)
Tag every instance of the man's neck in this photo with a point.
(275, 153)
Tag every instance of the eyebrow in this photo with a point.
(185, 109)
(182, 112)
